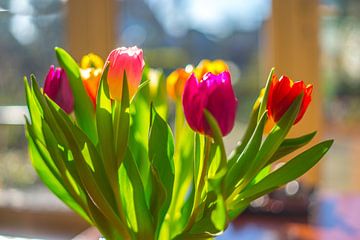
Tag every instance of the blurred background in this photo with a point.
(317, 41)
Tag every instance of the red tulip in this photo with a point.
(57, 88)
(213, 93)
(282, 94)
(129, 60)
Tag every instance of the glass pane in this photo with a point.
(29, 31)
(340, 41)
(180, 32)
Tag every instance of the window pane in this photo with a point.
(176, 33)
(29, 31)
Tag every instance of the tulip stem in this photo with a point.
(200, 187)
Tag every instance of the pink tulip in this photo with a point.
(214, 93)
(57, 88)
(129, 60)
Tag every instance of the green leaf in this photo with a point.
(253, 122)
(275, 138)
(263, 103)
(83, 107)
(291, 144)
(85, 171)
(142, 212)
(288, 172)
(244, 161)
(217, 136)
(51, 179)
(121, 123)
(161, 153)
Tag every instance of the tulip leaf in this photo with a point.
(51, 179)
(161, 155)
(83, 107)
(121, 123)
(85, 171)
(288, 172)
(274, 139)
(142, 212)
(253, 122)
(139, 135)
(291, 144)
(217, 135)
(245, 159)
(35, 110)
(105, 131)
(263, 103)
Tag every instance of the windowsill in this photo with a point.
(37, 213)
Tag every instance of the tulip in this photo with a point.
(282, 94)
(91, 80)
(57, 88)
(91, 60)
(175, 83)
(213, 93)
(129, 60)
(90, 72)
(215, 67)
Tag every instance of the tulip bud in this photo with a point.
(282, 94)
(129, 60)
(91, 80)
(90, 72)
(57, 88)
(213, 93)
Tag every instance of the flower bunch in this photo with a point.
(100, 139)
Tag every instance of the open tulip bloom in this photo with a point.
(122, 168)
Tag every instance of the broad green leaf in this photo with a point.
(263, 103)
(244, 161)
(139, 136)
(85, 172)
(253, 122)
(105, 132)
(288, 172)
(142, 212)
(217, 136)
(35, 110)
(291, 144)
(161, 155)
(83, 107)
(274, 139)
(53, 182)
(121, 123)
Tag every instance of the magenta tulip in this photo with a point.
(57, 88)
(129, 60)
(213, 93)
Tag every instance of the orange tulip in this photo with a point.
(175, 83)
(90, 72)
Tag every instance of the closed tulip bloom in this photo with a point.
(215, 67)
(213, 93)
(175, 83)
(90, 72)
(57, 88)
(128, 60)
(91, 80)
(282, 94)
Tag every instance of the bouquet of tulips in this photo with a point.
(100, 139)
